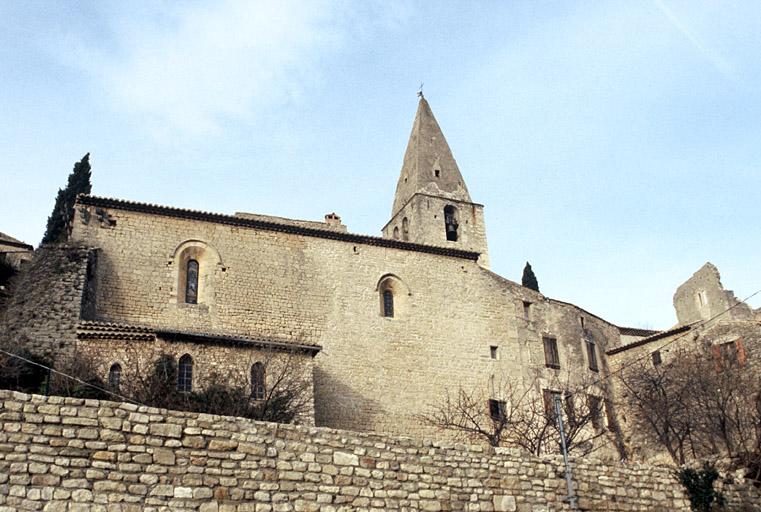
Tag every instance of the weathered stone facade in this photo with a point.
(73, 454)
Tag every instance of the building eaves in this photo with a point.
(645, 341)
(13, 242)
(635, 331)
(223, 339)
(218, 218)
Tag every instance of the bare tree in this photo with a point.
(519, 417)
(700, 403)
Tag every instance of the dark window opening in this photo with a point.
(115, 376)
(388, 303)
(581, 321)
(493, 352)
(526, 311)
(656, 357)
(595, 411)
(191, 282)
(396, 233)
(497, 409)
(258, 384)
(592, 355)
(437, 172)
(405, 229)
(549, 396)
(450, 222)
(551, 355)
(185, 374)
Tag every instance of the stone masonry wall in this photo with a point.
(73, 454)
(374, 373)
(47, 301)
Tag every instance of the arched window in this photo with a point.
(115, 376)
(450, 222)
(191, 283)
(405, 229)
(185, 374)
(396, 233)
(258, 384)
(388, 303)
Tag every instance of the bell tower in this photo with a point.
(432, 205)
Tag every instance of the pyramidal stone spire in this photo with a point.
(429, 167)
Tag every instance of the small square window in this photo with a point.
(656, 358)
(493, 352)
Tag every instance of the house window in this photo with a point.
(450, 222)
(656, 357)
(549, 397)
(526, 310)
(551, 355)
(493, 351)
(592, 355)
(405, 229)
(185, 374)
(595, 411)
(437, 172)
(115, 376)
(729, 355)
(388, 303)
(258, 384)
(497, 410)
(191, 282)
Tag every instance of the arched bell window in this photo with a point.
(405, 229)
(191, 282)
(185, 374)
(115, 376)
(451, 223)
(258, 382)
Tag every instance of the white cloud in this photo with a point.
(198, 65)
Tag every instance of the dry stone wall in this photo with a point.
(74, 454)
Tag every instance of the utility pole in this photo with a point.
(571, 498)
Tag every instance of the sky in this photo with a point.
(615, 145)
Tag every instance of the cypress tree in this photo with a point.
(529, 279)
(60, 221)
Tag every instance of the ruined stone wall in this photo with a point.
(374, 373)
(94, 455)
(47, 301)
(702, 297)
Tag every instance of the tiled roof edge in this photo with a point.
(219, 218)
(636, 331)
(660, 335)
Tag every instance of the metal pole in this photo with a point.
(571, 498)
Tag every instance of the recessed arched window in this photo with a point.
(258, 382)
(185, 374)
(388, 303)
(405, 229)
(115, 376)
(396, 233)
(450, 222)
(191, 282)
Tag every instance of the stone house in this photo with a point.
(385, 326)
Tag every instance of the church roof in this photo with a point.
(168, 211)
(429, 166)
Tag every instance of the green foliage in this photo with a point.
(60, 220)
(699, 486)
(529, 279)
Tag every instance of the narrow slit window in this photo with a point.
(115, 376)
(450, 222)
(405, 229)
(258, 381)
(493, 351)
(191, 282)
(388, 303)
(592, 355)
(526, 311)
(185, 374)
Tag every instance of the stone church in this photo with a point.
(383, 326)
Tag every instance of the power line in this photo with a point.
(53, 370)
